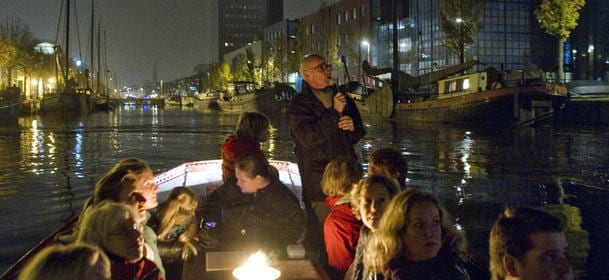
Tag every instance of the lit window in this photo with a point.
(466, 83)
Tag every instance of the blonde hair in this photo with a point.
(125, 173)
(366, 184)
(179, 206)
(339, 176)
(252, 124)
(386, 243)
(73, 261)
(102, 219)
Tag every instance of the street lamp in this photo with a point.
(459, 21)
(367, 45)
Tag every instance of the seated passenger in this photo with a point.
(369, 198)
(252, 128)
(130, 182)
(389, 163)
(341, 228)
(73, 261)
(271, 220)
(116, 228)
(527, 243)
(415, 240)
(178, 230)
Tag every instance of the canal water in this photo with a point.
(49, 166)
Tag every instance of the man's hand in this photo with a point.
(346, 123)
(340, 101)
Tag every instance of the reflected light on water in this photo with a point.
(464, 148)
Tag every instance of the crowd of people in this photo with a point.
(356, 226)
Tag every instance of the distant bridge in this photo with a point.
(139, 101)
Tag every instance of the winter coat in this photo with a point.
(143, 269)
(341, 234)
(317, 138)
(447, 265)
(270, 220)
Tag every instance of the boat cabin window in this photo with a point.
(456, 85)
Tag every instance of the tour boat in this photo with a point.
(202, 177)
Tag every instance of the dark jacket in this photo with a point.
(143, 269)
(270, 221)
(447, 265)
(317, 138)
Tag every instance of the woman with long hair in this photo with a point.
(415, 240)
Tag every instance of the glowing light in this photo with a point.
(256, 267)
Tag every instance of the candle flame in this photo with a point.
(256, 268)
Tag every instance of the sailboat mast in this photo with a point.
(99, 66)
(67, 58)
(92, 70)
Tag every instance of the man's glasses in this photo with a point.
(321, 67)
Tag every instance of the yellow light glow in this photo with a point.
(256, 267)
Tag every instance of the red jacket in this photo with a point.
(232, 149)
(341, 233)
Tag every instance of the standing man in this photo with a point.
(528, 243)
(325, 124)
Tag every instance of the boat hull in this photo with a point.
(10, 105)
(585, 111)
(265, 101)
(206, 104)
(72, 103)
(588, 103)
(518, 105)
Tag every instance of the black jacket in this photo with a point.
(317, 138)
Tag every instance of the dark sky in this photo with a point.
(176, 34)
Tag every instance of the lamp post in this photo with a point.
(366, 44)
(459, 22)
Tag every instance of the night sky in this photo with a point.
(176, 34)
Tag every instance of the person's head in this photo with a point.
(73, 261)
(369, 198)
(130, 181)
(415, 226)
(253, 124)
(178, 209)
(390, 163)
(114, 227)
(253, 172)
(339, 176)
(528, 243)
(315, 71)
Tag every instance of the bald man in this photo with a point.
(325, 124)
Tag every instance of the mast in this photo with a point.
(91, 66)
(67, 59)
(98, 56)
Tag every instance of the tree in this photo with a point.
(251, 69)
(17, 44)
(460, 20)
(238, 67)
(558, 18)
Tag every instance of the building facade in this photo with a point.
(241, 22)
